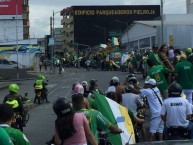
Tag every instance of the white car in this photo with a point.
(5, 64)
(15, 64)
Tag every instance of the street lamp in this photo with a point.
(53, 35)
(127, 26)
(104, 29)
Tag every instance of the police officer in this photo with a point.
(41, 85)
(14, 98)
(176, 111)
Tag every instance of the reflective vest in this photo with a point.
(39, 84)
(13, 103)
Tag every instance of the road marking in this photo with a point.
(62, 84)
(66, 87)
(51, 85)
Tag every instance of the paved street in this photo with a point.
(41, 124)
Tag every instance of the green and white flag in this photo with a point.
(113, 112)
(115, 41)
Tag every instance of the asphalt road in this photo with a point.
(41, 124)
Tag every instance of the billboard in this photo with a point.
(8, 7)
(94, 25)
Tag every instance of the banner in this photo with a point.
(8, 7)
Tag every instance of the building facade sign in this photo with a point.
(8, 7)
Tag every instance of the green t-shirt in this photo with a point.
(154, 58)
(158, 73)
(4, 138)
(17, 137)
(184, 70)
(96, 121)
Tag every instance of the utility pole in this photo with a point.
(162, 22)
(17, 39)
(51, 33)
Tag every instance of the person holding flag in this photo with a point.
(96, 119)
(114, 112)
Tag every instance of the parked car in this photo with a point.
(4, 63)
(19, 65)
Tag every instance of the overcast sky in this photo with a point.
(41, 10)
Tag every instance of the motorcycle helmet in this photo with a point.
(174, 90)
(188, 51)
(115, 80)
(14, 88)
(93, 82)
(39, 77)
(84, 83)
(62, 106)
(190, 58)
(43, 77)
(131, 78)
(78, 88)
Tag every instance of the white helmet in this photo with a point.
(115, 80)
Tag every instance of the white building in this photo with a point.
(8, 28)
(177, 31)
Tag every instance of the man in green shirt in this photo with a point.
(158, 73)
(6, 117)
(96, 119)
(4, 138)
(184, 76)
(153, 56)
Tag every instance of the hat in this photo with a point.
(155, 46)
(151, 82)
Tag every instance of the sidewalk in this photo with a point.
(4, 85)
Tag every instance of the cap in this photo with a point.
(151, 82)
(155, 46)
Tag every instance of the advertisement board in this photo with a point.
(8, 7)
(94, 25)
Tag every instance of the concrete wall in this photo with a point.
(10, 74)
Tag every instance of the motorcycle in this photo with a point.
(177, 133)
(40, 94)
(21, 119)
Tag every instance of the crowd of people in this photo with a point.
(167, 93)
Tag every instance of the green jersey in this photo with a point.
(17, 137)
(158, 73)
(96, 121)
(4, 138)
(154, 58)
(184, 70)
